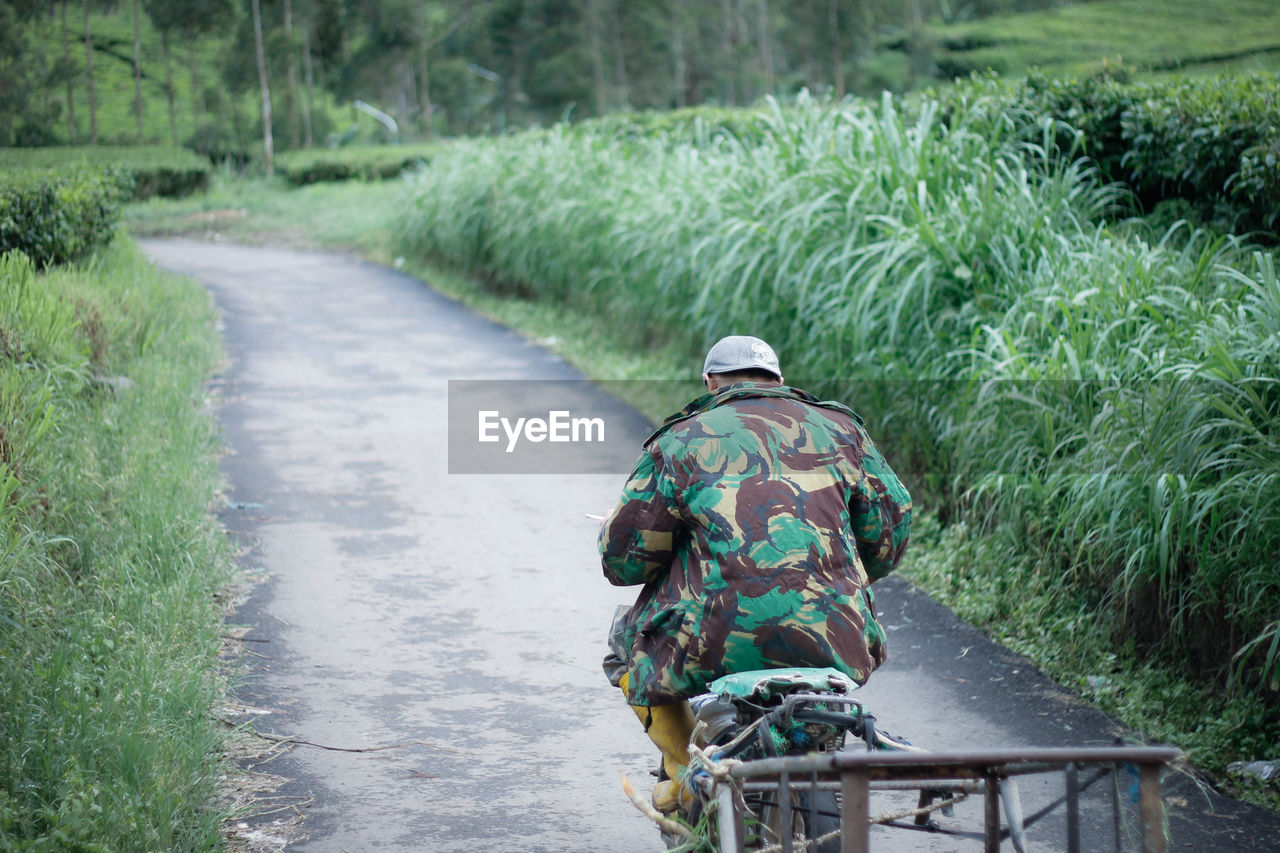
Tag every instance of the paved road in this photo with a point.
(461, 616)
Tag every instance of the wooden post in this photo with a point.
(729, 821)
(1150, 808)
(855, 822)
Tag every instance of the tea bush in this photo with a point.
(367, 163)
(57, 216)
(152, 170)
(1212, 142)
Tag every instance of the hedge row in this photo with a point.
(368, 163)
(693, 125)
(153, 170)
(1210, 145)
(55, 216)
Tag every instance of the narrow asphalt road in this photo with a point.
(459, 619)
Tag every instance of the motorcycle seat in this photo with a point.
(765, 685)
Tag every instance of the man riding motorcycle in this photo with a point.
(755, 520)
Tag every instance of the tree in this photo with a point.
(680, 36)
(593, 14)
(137, 69)
(610, 83)
(301, 106)
(266, 88)
(21, 71)
(88, 77)
(764, 46)
(66, 62)
(166, 18)
(198, 19)
(619, 57)
(192, 21)
(308, 82)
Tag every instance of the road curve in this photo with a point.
(460, 618)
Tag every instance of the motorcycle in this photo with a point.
(769, 714)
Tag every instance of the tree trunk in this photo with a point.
(66, 61)
(242, 142)
(765, 38)
(168, 87)
(863, 41)
(837, 55)
(266, 89)
(137, 69)
(727, 61)
(623, 94)
(88, 76)
(197, 100)
(291, 73)
(424, 86)
(309, 82)
(680, 67)
(597, 56)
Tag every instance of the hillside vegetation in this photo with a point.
(1144, 36)
(1101, 399)
(457, 67)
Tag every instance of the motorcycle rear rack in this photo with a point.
(946, 776)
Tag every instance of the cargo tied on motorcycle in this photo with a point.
(769, 771)
(767, 714)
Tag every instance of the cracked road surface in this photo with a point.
(460, 619)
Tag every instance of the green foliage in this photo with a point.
(1023, 607)
(109, 562)
(453, 67)
(368, 163)
(56, 204)
(691, 125)
(152, 170)
(1145, 35)
(955, 282)
(1210, 144)
(55, 216)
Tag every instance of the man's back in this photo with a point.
(753, 521)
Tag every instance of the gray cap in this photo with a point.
(741, 352)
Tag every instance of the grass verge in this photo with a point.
(110, 563)
(1017, 605)
(1020, 607)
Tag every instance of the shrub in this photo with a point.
(57, 216)
(1213, 142)
(154, 170)
(367, 163)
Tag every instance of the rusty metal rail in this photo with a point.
(989, 772)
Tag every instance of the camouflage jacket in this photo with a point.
(755, 520)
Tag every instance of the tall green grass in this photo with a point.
(1105, 396)
(109, 561)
